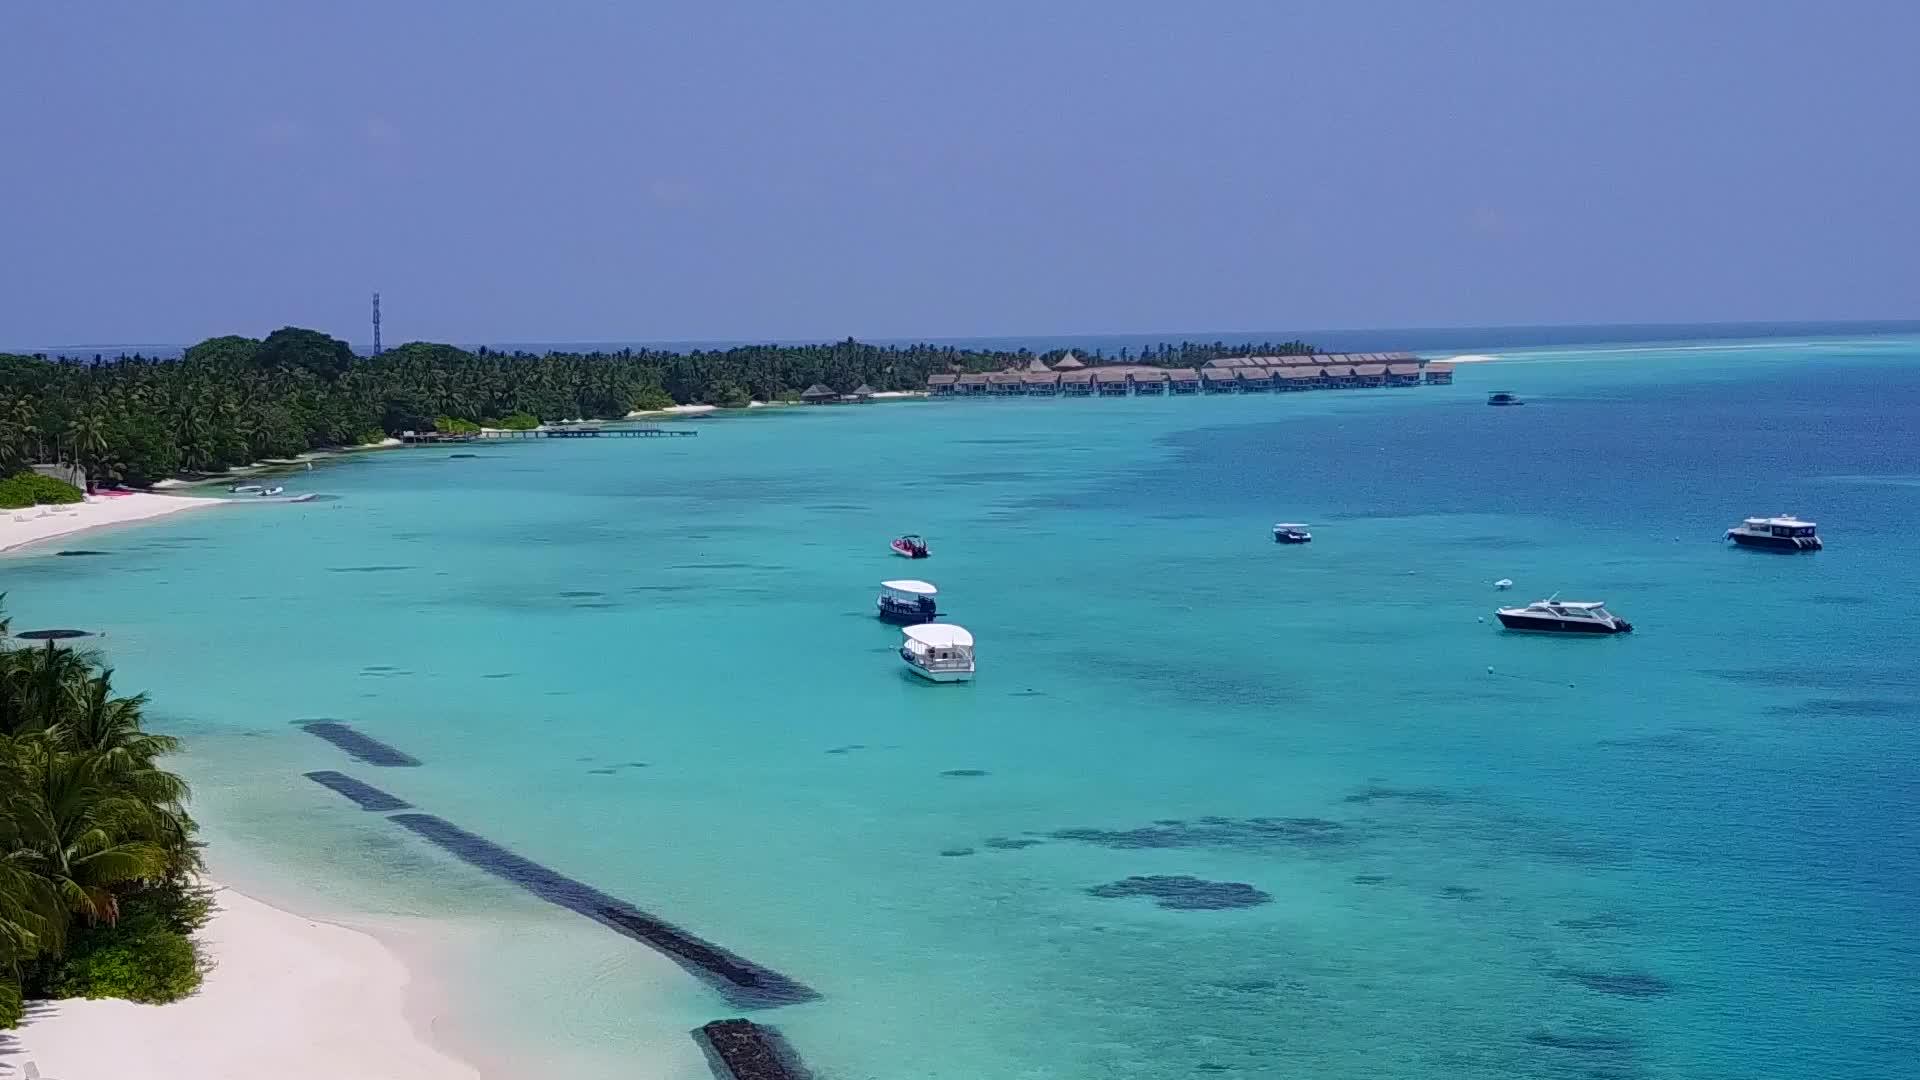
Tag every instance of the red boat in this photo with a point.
(909, 546)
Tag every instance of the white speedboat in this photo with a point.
(938, 652)
(1556, 616)
(907, 602)
(1291, 532)
(1783, 533)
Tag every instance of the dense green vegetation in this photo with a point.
(97, 857)
(32, 489)
(232, 400)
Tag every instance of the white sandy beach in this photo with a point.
(33, 525)
(286, 997)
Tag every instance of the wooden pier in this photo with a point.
(439, 438)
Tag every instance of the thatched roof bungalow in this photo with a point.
(818, 394)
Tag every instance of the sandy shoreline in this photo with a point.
(38, 524)
(285, 997)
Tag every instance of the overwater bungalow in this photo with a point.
(1183, 381)
(818, 394)
(1439, 374)
(1005, 383)
(1370, 374)
(862, 394)
(1253, 379)
(1403, 374)
(941, 383)
(1076, 383)
(1218, 380)
(1295, 378)
(973, 385)
(1110, 383)
(1041, 383)
(1337, 376)
(1150, 381)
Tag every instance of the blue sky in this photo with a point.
(629, 170)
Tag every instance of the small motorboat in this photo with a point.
(938, 652)
(1783, 533)
(1556, 616)
(1504, 583)
(907, 602)
(1502, 397)
(1291, 533)
(245, 489)
(909, 547)
(271, 491)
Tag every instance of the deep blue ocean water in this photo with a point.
(1689, 852)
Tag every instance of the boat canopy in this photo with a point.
(1289, 525)
(940, 636)
(1784, 520)
(917, 588)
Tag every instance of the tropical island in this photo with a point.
(228, 401)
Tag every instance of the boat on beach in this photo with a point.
(1291, 533)
(907, 602)
(938, 652)
(909, 546)
(1556, 616)
(1783, 533)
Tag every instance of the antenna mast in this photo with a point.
(376, 324)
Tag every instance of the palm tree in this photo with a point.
(76, 830)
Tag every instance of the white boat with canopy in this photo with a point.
(907, 601)
(938, 652)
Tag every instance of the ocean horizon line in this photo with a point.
(1341, 338)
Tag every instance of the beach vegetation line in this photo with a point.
(232, 400)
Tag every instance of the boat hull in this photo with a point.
(1776, 543)
(944, 676)
(908, 553)
(1542, 625)
(1290, 538)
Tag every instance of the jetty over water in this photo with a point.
(584, 431)
(1227, 375)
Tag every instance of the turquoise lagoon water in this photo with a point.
(1689, 852)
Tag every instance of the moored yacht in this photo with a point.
(1291, 533)
(1783, 533)
(938, 652)
(1556, 616)
(907, 602)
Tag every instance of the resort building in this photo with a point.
(1253, 379)
(1149, 381)
(1005, 383)
(1072, 377)
(1218, 380)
